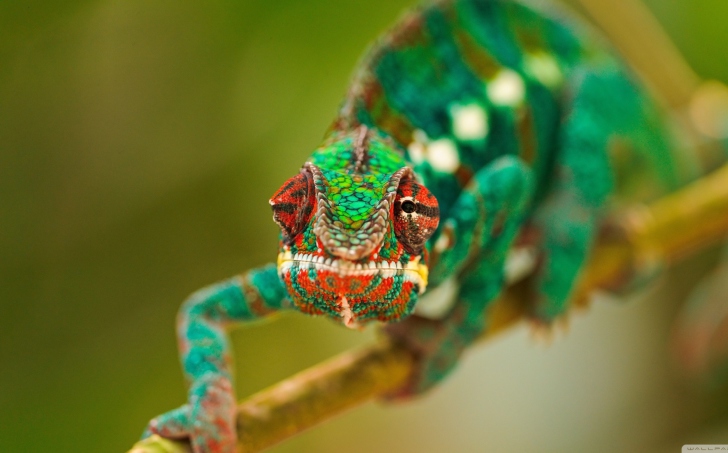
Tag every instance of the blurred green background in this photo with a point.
(139, 143)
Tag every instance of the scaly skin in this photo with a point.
(468, 123)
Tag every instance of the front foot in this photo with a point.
(172, 425)
(207, 423)
(436, 348)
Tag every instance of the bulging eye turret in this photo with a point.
(416, 215)
(293, 205)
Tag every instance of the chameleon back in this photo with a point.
(459, 83)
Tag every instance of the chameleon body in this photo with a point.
(468, 127)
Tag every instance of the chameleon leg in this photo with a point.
(208, 420)
(484, 223)
(582, 180)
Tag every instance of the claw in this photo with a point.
(545, 331)
(541, 332)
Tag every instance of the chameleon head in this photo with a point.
(354, 224)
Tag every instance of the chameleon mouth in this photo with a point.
(413, 271)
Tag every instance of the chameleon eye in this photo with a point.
(293, 204)
(408, 206)
(416, 215)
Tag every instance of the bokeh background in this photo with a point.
(139, 143)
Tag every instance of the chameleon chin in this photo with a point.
(345, 290)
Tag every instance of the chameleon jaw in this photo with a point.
(414, 271)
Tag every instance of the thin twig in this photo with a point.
(635, 32)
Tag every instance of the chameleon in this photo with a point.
(470, 128)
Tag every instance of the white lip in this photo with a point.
(413, 271)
